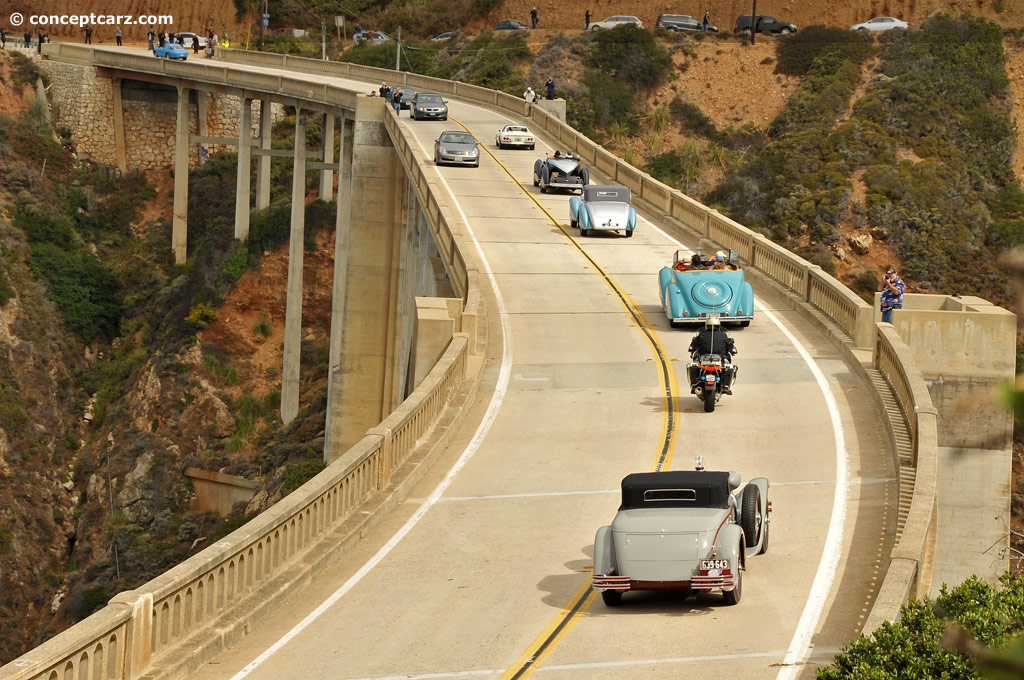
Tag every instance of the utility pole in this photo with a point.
(398, 50)
(753, 24)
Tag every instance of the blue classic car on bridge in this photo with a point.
(692, 291)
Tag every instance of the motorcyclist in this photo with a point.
(712, 339)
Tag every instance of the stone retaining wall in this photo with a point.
(82, 101)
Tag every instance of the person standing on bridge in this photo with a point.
(88, 34)
(549, 86)
(195, 44)
(586, 20)
(892, 293)
(396, 100)
(151, 37)
(3, 38)
(117, 36)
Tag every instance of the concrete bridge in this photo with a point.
(454, 538)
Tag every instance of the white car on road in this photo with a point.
(514, 135)
(615, 22)
(879, 24)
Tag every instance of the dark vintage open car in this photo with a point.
(562, 170)
(686, 530)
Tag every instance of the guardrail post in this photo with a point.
(138, 643)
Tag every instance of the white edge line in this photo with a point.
(497, 399)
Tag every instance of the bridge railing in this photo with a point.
(139, 626)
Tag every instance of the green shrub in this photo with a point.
(610, 100)
(631, 56)
(692, 119)
(6, 292)
(799, 51)
(298, 474)
(201, 315)
(263, 327)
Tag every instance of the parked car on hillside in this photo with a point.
(427, 105)
(171, 51)
(683, 22)
(689, 530)
(510, 25)
(443, 37)
(456, 147)
(378, 37)
(880, 24)
(765, 24)
(615, 22)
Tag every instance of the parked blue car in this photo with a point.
(690, 292)
(171, 51)
(601, 207)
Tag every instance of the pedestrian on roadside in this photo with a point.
(28, 39)
(151, 37)
(549, 85)
(533, 17)
(195, 44)
(586, 21)
(3, 38)
(396, 100)
(117, 36)
(170, 38)
(39, 42)
(88, 34)
(530, 96)
(892, 293)
(162, 38)
(704, 24)
(385, 91)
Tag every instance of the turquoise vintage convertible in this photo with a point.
(691, 293)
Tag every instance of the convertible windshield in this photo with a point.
(515, 128)
(429, 99)
(457, 138)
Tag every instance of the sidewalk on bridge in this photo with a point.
(972, 515)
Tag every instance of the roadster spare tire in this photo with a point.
(750, 515)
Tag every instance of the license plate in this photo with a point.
(706, 565)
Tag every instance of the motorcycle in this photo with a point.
(711, 376)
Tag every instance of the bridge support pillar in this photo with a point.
(341, 248)
(293, 308)
(202, 124)
(263, 163)
(179, 220)
(327, 156)
(244, 170)
(366, 284)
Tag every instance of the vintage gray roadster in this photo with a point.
(562, 170)
(682, 530)
(602, 207)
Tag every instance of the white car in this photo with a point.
(615, 22)
(514, 135)
(185, 39)
(879, 24)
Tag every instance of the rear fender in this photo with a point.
(730, 545)
(762, 484)
(664, 281)
(632, 218)
(574, 206)
(584, 218)
(604, 551)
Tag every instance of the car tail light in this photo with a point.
(661, 24)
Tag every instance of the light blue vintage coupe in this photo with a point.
(692, 291)
(602, 207)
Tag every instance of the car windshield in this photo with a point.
(457, 138)
(408, 94)
(429, 99)
(515, 128)
(595, 194)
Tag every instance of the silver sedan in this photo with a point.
(456, 147)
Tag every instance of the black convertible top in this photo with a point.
(675, 489)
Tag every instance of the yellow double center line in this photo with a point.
(581, 600)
